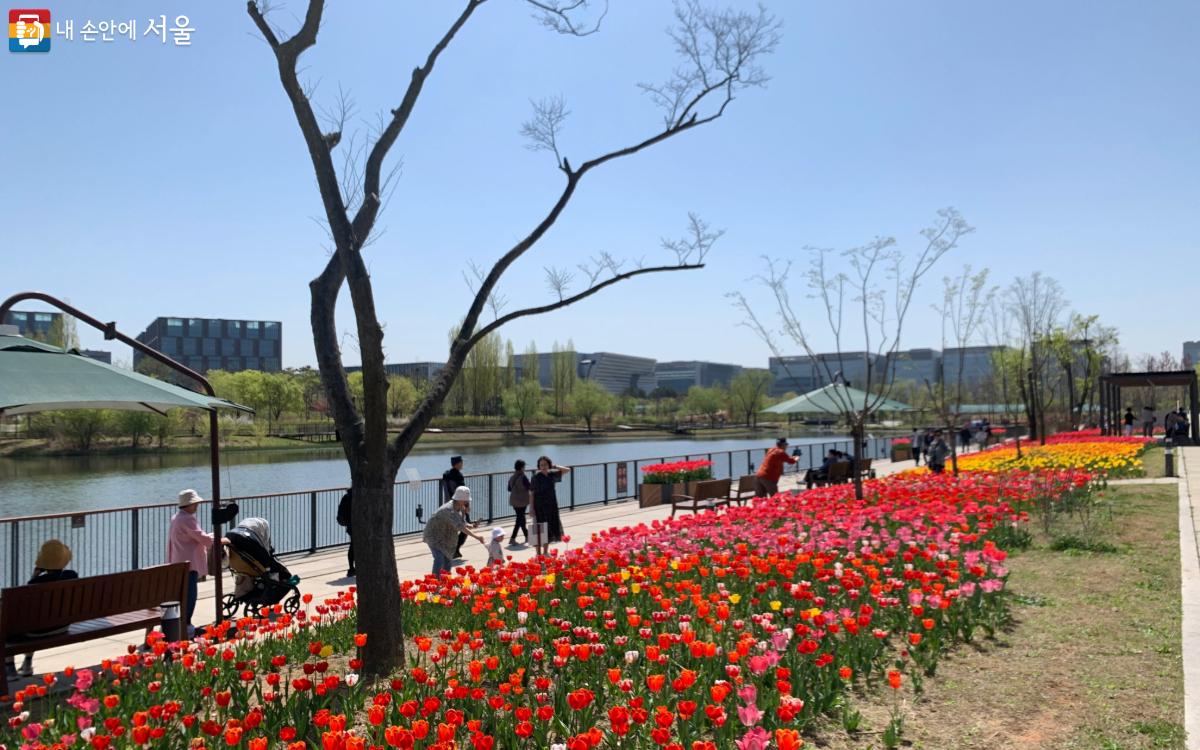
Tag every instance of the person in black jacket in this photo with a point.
(452, 479)
(50, 565)
(520, 493)
(344, 515)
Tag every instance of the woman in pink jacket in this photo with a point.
(188, 543)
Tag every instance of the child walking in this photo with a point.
(495, 551)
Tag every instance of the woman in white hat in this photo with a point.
(444, 526)
(50, 565)
(188, 543)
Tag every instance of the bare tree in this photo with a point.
(965, 302)
(1036, 303)
(880, 287)
(997, 333)
(720, 52)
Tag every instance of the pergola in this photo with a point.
(1110, 395)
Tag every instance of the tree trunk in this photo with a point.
(1071, 396)
(1026, 392)
(856, 433)
(375, 556)
(953, 447)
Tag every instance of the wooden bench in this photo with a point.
(710, 495)
(838, 474)
(864, 469)
(745, 490)
(93, 607)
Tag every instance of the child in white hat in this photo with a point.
(495, 551)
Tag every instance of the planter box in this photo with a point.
(901, 453)
(650, 495)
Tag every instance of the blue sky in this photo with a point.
(144, 179)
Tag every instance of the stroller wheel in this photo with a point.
(229, 605)
(291, 605)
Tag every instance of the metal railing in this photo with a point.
(117, 539)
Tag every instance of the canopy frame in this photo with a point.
(214, 454)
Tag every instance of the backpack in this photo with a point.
(343, 512)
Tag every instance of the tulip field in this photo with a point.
(1109, 457)
(741, 628)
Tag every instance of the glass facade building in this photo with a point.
(680, 376)
(32, 324)
(1191, 354)
(205, 344)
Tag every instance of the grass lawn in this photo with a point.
(1090, 661)
(1154, 462)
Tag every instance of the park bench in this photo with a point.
(710, 495)
(864, 469)
(94, 607)
(745, 490)
(838, 474)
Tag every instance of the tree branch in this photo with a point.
(557, 16)
(372, 200)
(484, 331)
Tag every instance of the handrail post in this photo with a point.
(606, 483)
(312, 516)
(15, 552)
(491, 493)
(134, 537)
(572, 490)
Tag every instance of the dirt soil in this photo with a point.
(1091, 660)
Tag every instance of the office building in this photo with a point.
(794, 374)
(918, 366)
(851, 367)
(417, 371)
(978, 364)
(33, 325)
(98, 355)
(616, 373)
(205, 344)
(678, 377)
(1191, 354)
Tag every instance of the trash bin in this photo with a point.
(171, 624)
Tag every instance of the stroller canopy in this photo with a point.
(259, 529)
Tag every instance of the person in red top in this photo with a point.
(766, 479)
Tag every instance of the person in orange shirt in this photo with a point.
(766, 479)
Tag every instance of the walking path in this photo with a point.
(1189, 557)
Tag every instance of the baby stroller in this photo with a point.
(259, 579)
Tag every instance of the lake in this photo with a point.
(35, 486)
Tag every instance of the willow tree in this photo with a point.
(719, 51)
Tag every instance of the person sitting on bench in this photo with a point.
(50, 565)
(812, 476)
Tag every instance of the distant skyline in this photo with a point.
(147, 180)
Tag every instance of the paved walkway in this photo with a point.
(1189, 556)
(324, 573)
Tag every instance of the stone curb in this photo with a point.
(1189, 558)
